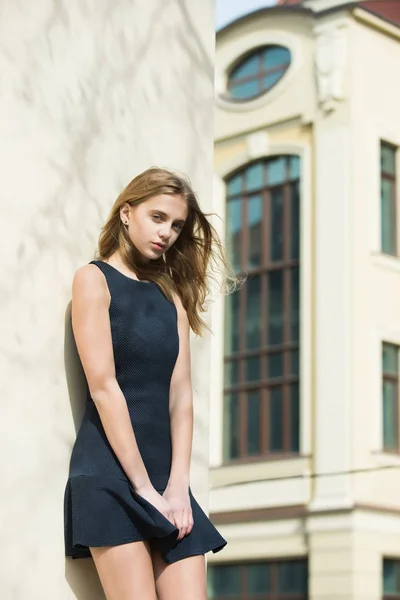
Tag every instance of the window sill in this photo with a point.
(386, 261)
(260, 469)
(386, 459)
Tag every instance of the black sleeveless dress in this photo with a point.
(101, 508)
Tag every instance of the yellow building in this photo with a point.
(305, 440)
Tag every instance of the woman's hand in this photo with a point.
(150, 494)
(179, 500)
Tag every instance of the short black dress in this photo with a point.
(101, 508)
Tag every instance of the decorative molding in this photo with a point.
(257, 151)
(257, 144)
(259, 514)
(296, 512)
(330, 64)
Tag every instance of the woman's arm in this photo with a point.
(181, 406)
(181, 416)
(92, 331)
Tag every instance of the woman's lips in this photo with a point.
(158, 246)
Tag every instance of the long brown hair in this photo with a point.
(186, 267)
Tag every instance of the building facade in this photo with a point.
(305, 439)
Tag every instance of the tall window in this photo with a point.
(391, 579)
(272, 580)
(262, 319)
(390, 397)
(388, 199)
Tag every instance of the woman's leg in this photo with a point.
(125, 571)
(183, 580)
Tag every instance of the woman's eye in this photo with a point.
(156, 217)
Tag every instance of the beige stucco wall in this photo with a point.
(91, 94)
(376, 283)
(278, 105)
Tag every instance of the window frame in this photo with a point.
(392, 378)
(386, 596)
(286, 266)
(274, 564)
(261, 73)
(393, 178)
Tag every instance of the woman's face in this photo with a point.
(154, 225)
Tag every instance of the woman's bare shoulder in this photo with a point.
(89, 280)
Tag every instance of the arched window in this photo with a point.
(258, 72)
(261, 396)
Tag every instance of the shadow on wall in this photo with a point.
(80, 574)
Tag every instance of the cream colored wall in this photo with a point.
(346, 554)
(91, 94)
(263, 540)
(280, 104)
(375, 98)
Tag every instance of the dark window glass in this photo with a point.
(265, 580)
(253, 317)
(388, 215)
(292, 576)
(231, 373)
(254, 224)
(276, 171)
(258, 72)
(223, 581)
(234, 186)
(275, 317)
(295, 305)
(270, 80)
(276, 419)
(276, 230)
(233, 233)
(294, 362)
(245, 89)
(275, 365)
(389, 415)
(262, 320)
(294, 167)
(253, 368)
(231, 323)
(294, 417)
(258, 579)
(276, 57)
(390, 395)
(231, 418)
(248, 68)
(388, 199)
(253, 423)
(254, 177)
(295, 221)
(390, 359)
(388, 159)
(391, 581)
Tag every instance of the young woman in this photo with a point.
(128, 501)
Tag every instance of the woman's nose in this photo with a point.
(165, 233)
